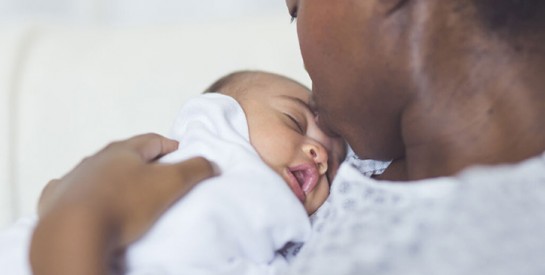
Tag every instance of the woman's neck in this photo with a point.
(486, 106)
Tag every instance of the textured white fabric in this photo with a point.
(487, 220)
(231, 224)
(367, 167)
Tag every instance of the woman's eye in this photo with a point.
(293, 14)
(297, 124)
(292, 6)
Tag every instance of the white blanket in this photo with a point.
(231, 224)
(14, 247)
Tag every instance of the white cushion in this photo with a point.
(11, 53)
(81, 88)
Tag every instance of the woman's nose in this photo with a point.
(318, 154)
(324, 127)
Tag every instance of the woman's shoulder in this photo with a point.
(485, 218)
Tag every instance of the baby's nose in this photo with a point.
(318, 154)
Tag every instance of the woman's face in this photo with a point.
(346, 53)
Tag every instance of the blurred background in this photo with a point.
(78, 74)
(136, 12)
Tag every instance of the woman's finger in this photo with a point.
(152, 146)
(47, 194)
(179, 178)
(166, 184)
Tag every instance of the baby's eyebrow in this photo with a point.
(300, 102)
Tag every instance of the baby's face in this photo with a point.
(284, 132)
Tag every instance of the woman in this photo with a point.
(443, 85)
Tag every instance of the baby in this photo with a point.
(284, 132)
(276, 169)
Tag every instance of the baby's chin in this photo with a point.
(318, 196)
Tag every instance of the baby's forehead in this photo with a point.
(272, 84)
(260, 78)
(259, 86)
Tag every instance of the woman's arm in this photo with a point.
(107, 202)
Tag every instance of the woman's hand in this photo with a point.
(107, 202)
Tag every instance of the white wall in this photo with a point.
(69, 68)
(136, 12)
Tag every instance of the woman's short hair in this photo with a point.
(512, 17)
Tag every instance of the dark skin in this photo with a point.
(396, 171)
(421, 81)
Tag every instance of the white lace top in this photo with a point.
(487, 220)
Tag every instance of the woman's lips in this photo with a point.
(302, 179)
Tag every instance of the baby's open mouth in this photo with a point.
(302, 179)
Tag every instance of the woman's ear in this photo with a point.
(388, 7)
